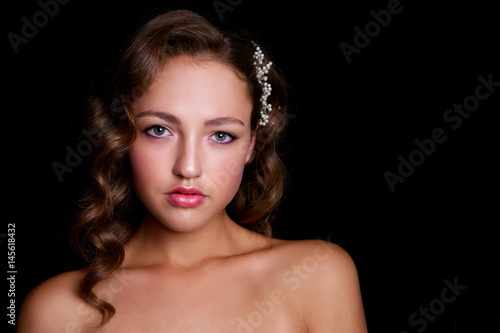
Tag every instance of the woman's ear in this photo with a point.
(251, 146)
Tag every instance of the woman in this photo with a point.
(175, 227)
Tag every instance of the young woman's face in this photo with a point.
(193, 140)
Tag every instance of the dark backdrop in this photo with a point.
(364, 104)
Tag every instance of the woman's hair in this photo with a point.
(110, 210)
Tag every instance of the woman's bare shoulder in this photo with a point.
(323, 279)
(310, 250)
(319, 260)
(54, 305)
(300, 264)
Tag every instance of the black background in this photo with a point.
(349, 124)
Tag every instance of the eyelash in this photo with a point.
(149, 128)
(232, 136)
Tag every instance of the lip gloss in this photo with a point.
(185, 197)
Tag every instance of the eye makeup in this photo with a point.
(223, 138)
(157, 131)
(160, 131)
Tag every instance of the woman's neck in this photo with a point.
(154, 244)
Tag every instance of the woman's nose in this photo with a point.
(187, 163)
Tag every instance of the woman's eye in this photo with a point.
(222, 137)
(158, 131)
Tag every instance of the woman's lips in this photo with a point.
(186, 197)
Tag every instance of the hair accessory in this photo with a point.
(262, 70)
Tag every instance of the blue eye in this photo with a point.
(158, 131)
(222, 137)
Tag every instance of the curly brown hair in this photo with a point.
(110, 210)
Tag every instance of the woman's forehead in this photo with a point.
(190, 87)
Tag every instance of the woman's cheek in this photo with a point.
(146, 167)
(224, 175)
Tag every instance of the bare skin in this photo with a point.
(193, 269)
(300, 286)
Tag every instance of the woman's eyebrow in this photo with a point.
(223, 121)
(173, 119)
(162, 115)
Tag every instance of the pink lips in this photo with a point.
(186, 197)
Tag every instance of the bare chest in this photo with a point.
(220, 301)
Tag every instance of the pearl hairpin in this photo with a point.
(262, 70)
